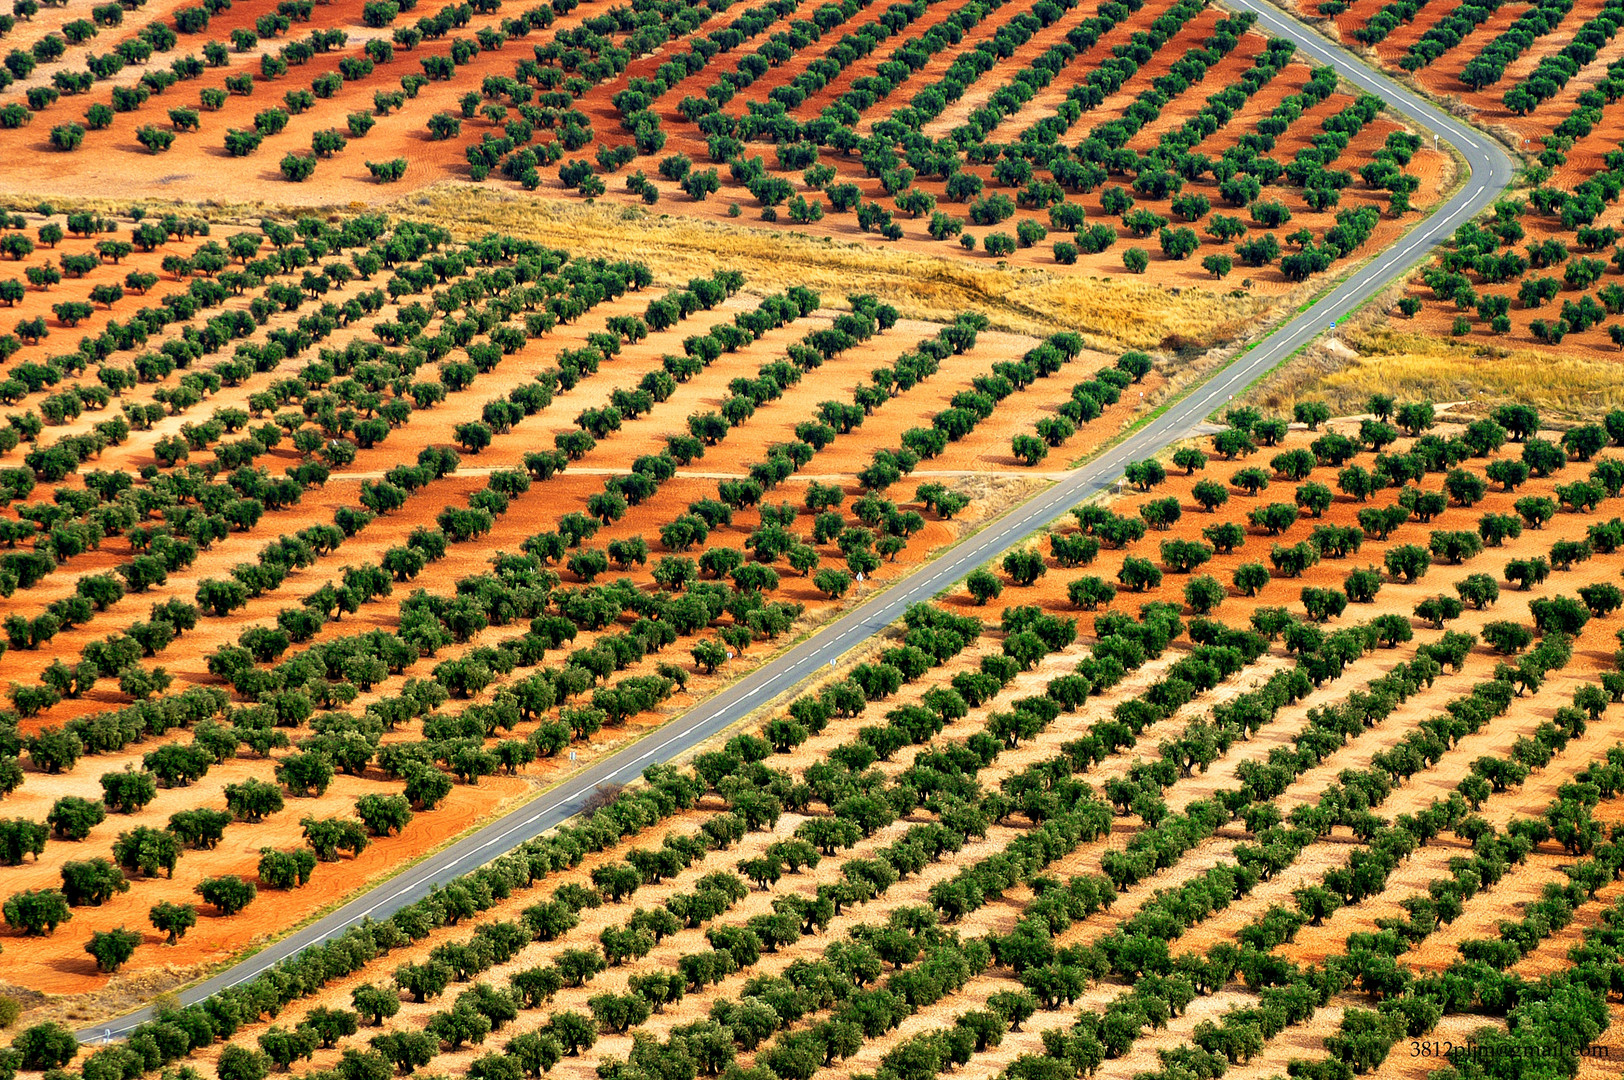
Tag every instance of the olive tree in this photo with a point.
(1024, 566)
(112, 947)
(384, 814)
(242, 1063)
(92, 882)
(1362, 585)
(983, 585)
(37, 912)
(20, 838)
(1204, 594)
(72, 818)
(1478, 590)
(128, 791)
(1250, 578)
(173, 919)
(228, 893)
(46, 1046)
(1408, 562)
(375, 1002)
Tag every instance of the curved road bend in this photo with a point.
(1491, 171)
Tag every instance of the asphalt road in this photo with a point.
(1491, 171)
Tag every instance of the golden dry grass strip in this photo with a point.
(1416, 366)
(1111, 313)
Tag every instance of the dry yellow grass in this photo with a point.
(1110, 313)
(1414, 366)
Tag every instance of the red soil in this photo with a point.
(58, 965)
(193, 167)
